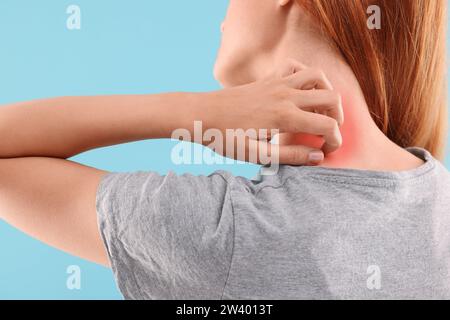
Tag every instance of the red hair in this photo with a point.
(400, 67)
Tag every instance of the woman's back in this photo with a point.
(305, 233)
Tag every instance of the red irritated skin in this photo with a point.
(352, 134)
(364, 145)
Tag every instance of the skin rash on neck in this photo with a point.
(352, 136)
(353, 133)
(364, 146)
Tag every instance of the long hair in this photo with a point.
(401, 67)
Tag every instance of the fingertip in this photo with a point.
(316, 156)
(328, 148)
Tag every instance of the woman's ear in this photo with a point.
(282, 3)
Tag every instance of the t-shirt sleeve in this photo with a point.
(167, 237)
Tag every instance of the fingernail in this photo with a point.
(316, 156)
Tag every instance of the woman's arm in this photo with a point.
(53, 200)
(63, 127)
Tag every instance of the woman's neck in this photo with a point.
(364, 145)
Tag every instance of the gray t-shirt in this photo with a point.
(305, 233)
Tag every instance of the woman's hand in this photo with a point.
(294, 99)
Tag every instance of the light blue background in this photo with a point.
(134, 46)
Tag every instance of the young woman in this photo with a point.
(369, 219)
